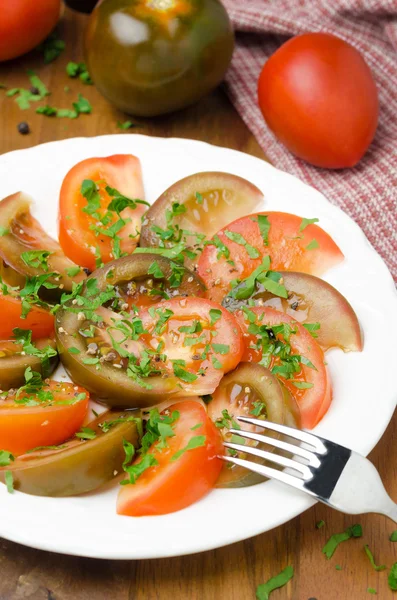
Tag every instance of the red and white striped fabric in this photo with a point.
(367, 192)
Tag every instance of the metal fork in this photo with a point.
(327, 471)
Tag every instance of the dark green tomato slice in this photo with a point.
(151, 57)
(199, 204)
(13, 364)
(79, 465)
(101, 377)
(310, 300)
(144, 279)
(23, 242)
(252, 391)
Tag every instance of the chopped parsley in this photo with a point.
(264, 590)
(199, 198)
(9, 481)
(155, 270)
(371, 591)
(4, 231)
(239, 239)
(126, 125)
(137, 469)
(86, 433)
(73, 271)
(320, 524)
(37, 259)
(372, 560)
(79, 70)
(6, 458)
(355, 531)
(312, 328)
(182, 374)
(393, 536)
(215, 315)
(306, 222)
(392, 578)
(312, 245)
(221, 348)
(194, 442)
(259, 409)
(264, 228)
(270, 280)
(24, 337)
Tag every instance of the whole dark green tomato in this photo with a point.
(150, 57)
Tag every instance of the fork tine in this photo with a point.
(275, 458)
(313, 460)
(298, 434)
(266, 471)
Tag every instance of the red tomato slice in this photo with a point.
(291, 245)
(38, 320)
(48, 423)
(175, 484)
(314, 401)
(79, 242)
(198, 332)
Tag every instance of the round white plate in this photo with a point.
(365, 391)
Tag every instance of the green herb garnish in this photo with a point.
(372, 560)
(355, 531)
(195, 442)
(264, 590)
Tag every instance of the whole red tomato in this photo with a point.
(318, 96)
(24, 24)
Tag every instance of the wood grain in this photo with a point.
(230, 573)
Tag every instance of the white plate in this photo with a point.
(365, 391)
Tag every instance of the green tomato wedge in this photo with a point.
(79, 465)
(27, 249)
(13, 364)
(311, 301)
(196, 207)
(252, 391)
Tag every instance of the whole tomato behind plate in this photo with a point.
(319, 98)
(24, 24)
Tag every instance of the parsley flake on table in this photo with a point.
(126, 125)
(79, 70)
(392, 578)
(24, 97)
(320, 524)
(355, 531)
(372, 560)
(393, 536)
(371, 591)
(264, 590)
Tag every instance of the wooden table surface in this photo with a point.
(230, 573)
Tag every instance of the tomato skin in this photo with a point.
(120, 171)
(171, 486)
(25, 427)
(40, 321)
(24, 24)
(287, 248)
(319, 98)
(313, 402)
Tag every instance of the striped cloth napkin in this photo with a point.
(367, 192)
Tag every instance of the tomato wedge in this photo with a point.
(27, 420)
(181, 476)
(38, 320)
(292, 243)
(198, 341)
(292, 354)
(81, 233)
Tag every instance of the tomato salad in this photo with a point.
(172, 319)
